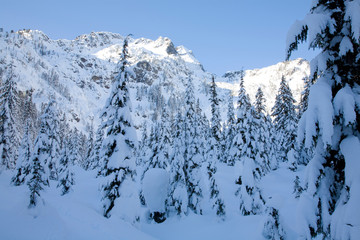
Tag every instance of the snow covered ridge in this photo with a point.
(79, 72)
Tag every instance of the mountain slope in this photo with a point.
(78, 73)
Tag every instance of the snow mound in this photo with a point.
(155, 189)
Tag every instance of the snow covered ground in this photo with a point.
(78, 215)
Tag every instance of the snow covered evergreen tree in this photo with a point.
(271, 146)
(143, 147)
(262, 134)
(244, 152)
(51, 125)
(117, 156)
(160, 143)
(331, 121)
(24, 159)
(252, 165)
(215, 198)
(45, 156)
(192, 155)
(202, 130)
(273, 228)
(29, 112)
(90, 144)
(297, 187)
(243, 108)
(304, 96)
(37, 178)
(66, 174)
(9, 116)
(260, 102)
(74, 145)
(178, 196)
(229, 129)
(215, 121)
(94, 159)
(47, 143)
(285, 120)
(215, 150)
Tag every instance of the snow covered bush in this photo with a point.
(155, 189)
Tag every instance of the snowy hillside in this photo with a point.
(269, 80)
(78, 74)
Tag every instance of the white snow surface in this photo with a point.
(78, 215)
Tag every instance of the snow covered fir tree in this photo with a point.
(116, 152)
(109, 136)
(331, 119)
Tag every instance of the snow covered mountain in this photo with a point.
(78, 73)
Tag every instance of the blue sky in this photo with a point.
(223, 34)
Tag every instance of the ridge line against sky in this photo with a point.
(223, 35)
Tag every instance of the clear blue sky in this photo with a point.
(223, 34)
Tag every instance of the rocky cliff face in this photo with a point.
(78, 74)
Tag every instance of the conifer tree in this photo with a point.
(74, 147)
(251, 168)
(260, 102)
(229, 131)
(30, 113)
(37, 179)
(89, 146)
(44, 158)
(304, 96)
(143, 147)
(217, 202)
(285, 120)
(66, 175)
(214, 152)
(160, 143)
(243, 107)
(202, 131)
(331, 121)
(271, 147)
(95, 154)
(273, 227)
(244, 151)
(118, 163)
(215, 121)
(178, 196)
(262, 133)
(50, 126)
(297, 187)
(9, 117)
(193, 158)
(24, 160)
